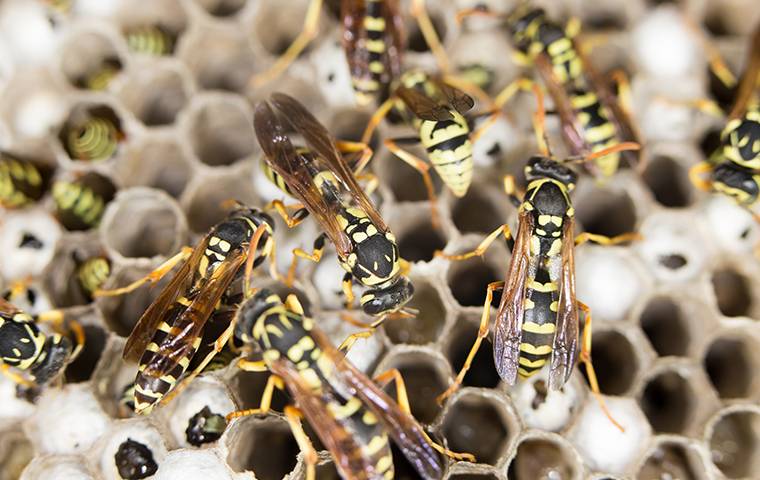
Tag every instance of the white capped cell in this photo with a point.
(205, 392)
(664, 46)
(193, 464)
(543, 408)
(28, 237)
(140, 431)
(607, 280)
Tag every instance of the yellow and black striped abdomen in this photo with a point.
(539, 323)
(367, 83)
(21, 181)
(80, 203)
(450, 151)
(598, 131)
(150, 40)
(93, 273)
(741, 139)
(93, 140)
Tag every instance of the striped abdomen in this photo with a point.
(741, 139)
(598, 131)
(566, 64)
(450, 151)
(539, 320)
(367, 84)
(21, 182)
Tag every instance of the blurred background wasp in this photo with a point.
(322, 181)
(92, 134)
(592, 117)
(538, 317)
(169, 333)
(351, 415)
(81, 201)
(22, 180)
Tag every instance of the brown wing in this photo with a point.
(145, 327)
(402, 427)
(395, 37)
(565, 346)
(508, 330)
(626, 131)
(460, 101)
(750, 79)
(345, 451)
(7, 308)
(352, 13)
(294, 169)
(176, 347)
(423, 106)
(322, 144)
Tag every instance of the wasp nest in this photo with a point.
(676, 343)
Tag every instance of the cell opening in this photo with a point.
(155, 97)
(607, 213)
(473, 476)
(669, 182)
(416, 41)
(488, 217)
(732, 292)
(405, 182)
(666, 328)
(268, 449)
(469, 280)
(92, 133)
(90, 61)
(482, 372)
(605, 21)
(18, 453)
(475, 425)
(667, 402)
(327, 471)
(158, 163)
(671, 460)
(250, 387)
(222, 8)
(80, 370)
(615, 362)
(350, 125)
(538, 458)
(289, 18)
(419, 242)
(207, 205)
(729, 365)
(121, 313)
(221, 134)
(735, 444)
(716, 23)
(427, 325)
(710, 142)
(424, 382)
(220, 60)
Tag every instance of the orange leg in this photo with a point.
(482, 247)
(695, 175)
(419, 12)
(293, 416)
(607, 241)
(424, 169)
(152, 277)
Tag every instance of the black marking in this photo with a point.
(205, 427)
(30, 241)
(134, 460)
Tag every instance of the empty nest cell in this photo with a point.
(668, 402)
(669, 182)
(469, 279)
(732, 292)
(221, 132)
(734, 441)
(544, 457)
(731, 362)
(615, 361)
(464, 211)
(219, 58)
(90, 60)
(157, 161)
(222, 8)
(206, 199)
(606, 212)
(666, 327)
(482, 372)
(288, 18)
(265, 446)
(155, 95)
(427, 325)
(672, 459)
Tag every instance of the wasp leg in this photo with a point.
(623, 86)
(266, 400)
(423, 168)
(15, 377)
(506, 93)
(427, 29)
(56, 318)
(152, 277)
(695, 175)
(251, 259)
(482, 333)
(282, 210)
(510, 188)
(345, 146)
(480, 249)
(293, 416)
(308, 33)
(348, 290)
(539, 117)
(585, 358)
(375, 120)
(315, 256)
(607, 241)
(346, 344)
(393, 375)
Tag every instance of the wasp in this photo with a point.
(169, 333)
(322, 181)
(23, 346)
(592, 117)
(205, 427)
(22, 180)
(95, 136)
(154, 40)
(538, 318)
(91, 273)
(734, 167)
(80, 202)
(353, 418)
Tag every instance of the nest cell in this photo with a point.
(544, 408)
(668, 401)
(419, 241)
(222, 8)
(264, 446)
(666, 327)
(730, 363)
(669, 182)
(157, 161)
(81, 369)
(221, 132)
(219, 58)
(469, 279)
(733, 439)
(606, 212)
(732, 292)
(482, 372)
(427, 325)
(488, 218)
(615, 361)
(90, 60)
(207, 199)
(155, 95)
(545, 457)
(28, 238)
(288, 18)
(672, 459)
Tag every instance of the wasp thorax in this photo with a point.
(544, 167)
(250, 312)
(387, 300)
(737, 182)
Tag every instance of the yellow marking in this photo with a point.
(165, 327)
(544, 219)
(556, 247)
(184, 362)
(375, 46)
(310, 377)
(541, 232)
(541, 329)
(369, 418)
(384, 463)
(535, 350)
(16, 352)
(525, 374)
(224, 245)
(554, 306)
(274, 330)
(584, 100)
(376, 67)
(352, 406)
(532, 363)
(152, 347)
(170, 379)
(271, 356)
(376, 444)
(23, 340)
(535, 245)
(528, 303)
(374, 23)
(542, 287)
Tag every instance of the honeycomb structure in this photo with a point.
(676, 341)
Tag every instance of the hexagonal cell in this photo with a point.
(206, 397)
(478, 425)
(669, 182)
(615, 361)
(155, 95)
(540, 457)
(219, 58)
(81, 369)
(473, 476)
(482, 372)
(666, 327)
(132, 447)
(90, 60)
(92, 133)
(543, 408)
(249, 387)
(488, 216)
(221, 132)
(672, 459)
(404, 182)
(74, 256)
(264, 446)
(609, 280)
(469, 279)
(349, 124)
(606, 212)
(730, 363)
(671, 245)
(157, 161)
(290, 19)
(28, 239)
(81, 199)
(66, 467)
(418, 242)
(668, 401)
(734, 437)
(733, 292)
(222, 8)
(205, 198)
(427, 325)
(416, 41)
(154, 29)
(156, 226)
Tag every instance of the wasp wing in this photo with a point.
(402, 427)
(460, 101)
(194, 316)
(422, 105)
(508, 329)
(143, 331)
(294, 168)
(342, 445)
(7, 308)
(322, 144)
(565, 346)
(750, 79)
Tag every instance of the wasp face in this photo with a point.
(250, 312)
(387, 300)
(737, 182)
(543, 167)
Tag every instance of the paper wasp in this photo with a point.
(94, 135)
(352, 416)
(592, 117)
(734, 167)
(80, 202)
(22, 181)
(538, 317)
(168, 334)
(91, 273)
(23, 346)
(322, 181)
